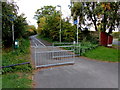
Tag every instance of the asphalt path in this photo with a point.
(84, 73)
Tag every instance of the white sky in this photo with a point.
(28, 7)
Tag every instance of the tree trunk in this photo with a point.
(104, 22)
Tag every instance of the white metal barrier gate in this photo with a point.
(54, 55)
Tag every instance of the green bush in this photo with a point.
(17, 56)
(116, 34)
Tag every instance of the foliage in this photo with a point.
(7, 10)
(19, 55)
(31, 30)
(103, 54)
(85, 11)
(116, 34)
(9, 18)
(84, 47)
(44, 11)
(119, 39)
(16, 80)
(49, 26)
(89, 36)
(20, 26)
(42, 22)
(103, 15)
(68, 32)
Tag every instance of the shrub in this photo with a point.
(17, 56)
(116, 34)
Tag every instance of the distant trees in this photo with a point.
(48, 20)
(31, 30)
(44, 11)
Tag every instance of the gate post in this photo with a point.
(35, 57)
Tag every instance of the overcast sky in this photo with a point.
(28, 7)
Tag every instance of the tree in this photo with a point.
(49, 25)
(20, 26)
(9, 17)
(110, 16)
(48, 22)
(41, 23)
(68, 32)
(52, 27)
(44, 11)
(77, 10)
(31, 30)
(7, 10)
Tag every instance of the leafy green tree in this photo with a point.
(68, 32)
(8, 9)
(49, 25)
(41, 23)
(9, 17)
(52, 26)
(31, 30)
(20, 26)
(44, 11)
(94, 10)
(77, 10)
(85, 9)
(110, 15)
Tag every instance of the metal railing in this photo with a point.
(53, 55)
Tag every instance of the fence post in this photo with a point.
(35, 58)
(79, 48)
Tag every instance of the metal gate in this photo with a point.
(54, 55)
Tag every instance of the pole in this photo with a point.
(13, 34)
(60, 24)
(77, 27)
(77, 34)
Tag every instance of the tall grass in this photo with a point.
(19, 55)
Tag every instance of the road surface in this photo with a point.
(84, 73)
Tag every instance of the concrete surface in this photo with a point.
(83, 74)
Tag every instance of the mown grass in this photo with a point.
(103, 54)
(17, 76)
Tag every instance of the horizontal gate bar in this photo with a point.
(64, 56)
(54, 51)
(64, 46)
(64, 43)
(56, 64)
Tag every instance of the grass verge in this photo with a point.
(103, 54)
(17, 76)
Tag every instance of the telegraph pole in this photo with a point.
(77, 27)
(13, 32)
(12, 17)
(60, 23)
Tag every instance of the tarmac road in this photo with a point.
(84, 73)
